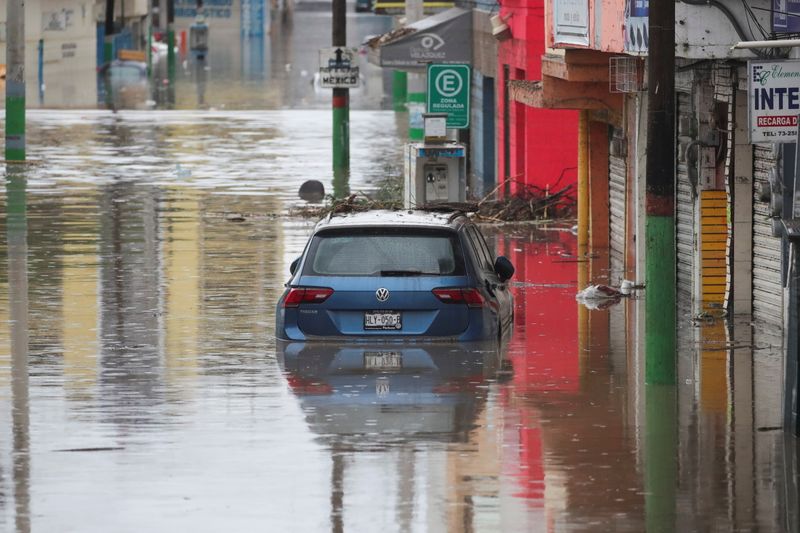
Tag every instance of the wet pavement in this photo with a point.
(141, 387)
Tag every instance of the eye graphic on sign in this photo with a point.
(448, 83)
(431, 41)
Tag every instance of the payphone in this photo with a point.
(435, 173)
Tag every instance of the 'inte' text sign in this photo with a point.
(774, 96)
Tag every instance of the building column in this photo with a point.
(742, 186)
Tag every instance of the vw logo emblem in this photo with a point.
(382, 294)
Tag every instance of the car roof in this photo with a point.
(387, 218)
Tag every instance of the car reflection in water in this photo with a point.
(370, 395)
(128, 82)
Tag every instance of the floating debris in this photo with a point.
(235, 217)
(529, 203)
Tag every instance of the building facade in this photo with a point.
(537, 145)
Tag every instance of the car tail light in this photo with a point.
(308, 386)
(471, 297)
(306, 295)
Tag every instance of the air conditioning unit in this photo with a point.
(625, 74)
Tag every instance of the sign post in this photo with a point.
(338, 68)
(448, 92)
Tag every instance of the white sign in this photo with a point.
(338, 68)
(572, 21)
(774, 97)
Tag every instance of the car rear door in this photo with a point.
(496, 290)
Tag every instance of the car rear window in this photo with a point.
(385, 252)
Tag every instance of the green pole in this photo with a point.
(108, 51)
(15, 81)
(416, 106)
(399, 90)
(341, 110)
(341, 143)
(660, 295)
(661, 458)
(171, 52)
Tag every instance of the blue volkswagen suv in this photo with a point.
(396, 275)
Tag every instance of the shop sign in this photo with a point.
(448, 92)
(774, 100)
(786, 16)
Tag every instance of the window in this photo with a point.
(479, 244)
(385, 252)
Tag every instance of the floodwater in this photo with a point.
(141, 387)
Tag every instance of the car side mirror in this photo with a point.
(293, 266)
(503, 268)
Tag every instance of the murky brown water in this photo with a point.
(151, 396)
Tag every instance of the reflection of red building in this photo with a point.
(538, 145)
(563, 419)
(544, 349)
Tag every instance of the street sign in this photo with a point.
(338, 68)
(448, 92)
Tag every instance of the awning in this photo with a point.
(398, 7)
(442, 38)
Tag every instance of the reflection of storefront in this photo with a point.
(544, 350)
(545, 315)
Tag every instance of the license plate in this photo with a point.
(383, 360)
(383, 320)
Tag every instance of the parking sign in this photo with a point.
(448, 92)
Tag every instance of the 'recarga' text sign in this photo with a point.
(774, 95)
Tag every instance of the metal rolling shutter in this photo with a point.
(617, 170)
(684, 210)
(767, 253)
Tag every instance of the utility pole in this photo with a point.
(15, 80)
(661, 419)
(660, 200)
(171, 51)
(341, 110)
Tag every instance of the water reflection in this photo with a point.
(373, 397)
(391, 401)
(17, 257)
(149, 312)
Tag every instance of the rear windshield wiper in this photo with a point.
(407, 273)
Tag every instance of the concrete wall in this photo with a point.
(712, 38)
(68, 29)
(604, 19)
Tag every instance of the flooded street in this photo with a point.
(142, 388)
(154, 397)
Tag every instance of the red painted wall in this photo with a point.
(542, 144)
